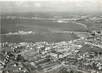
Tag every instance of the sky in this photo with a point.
(50, 5)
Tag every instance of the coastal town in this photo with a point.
(50, 36)
(83, 55)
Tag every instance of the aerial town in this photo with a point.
(50, 36)
(82, 55)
